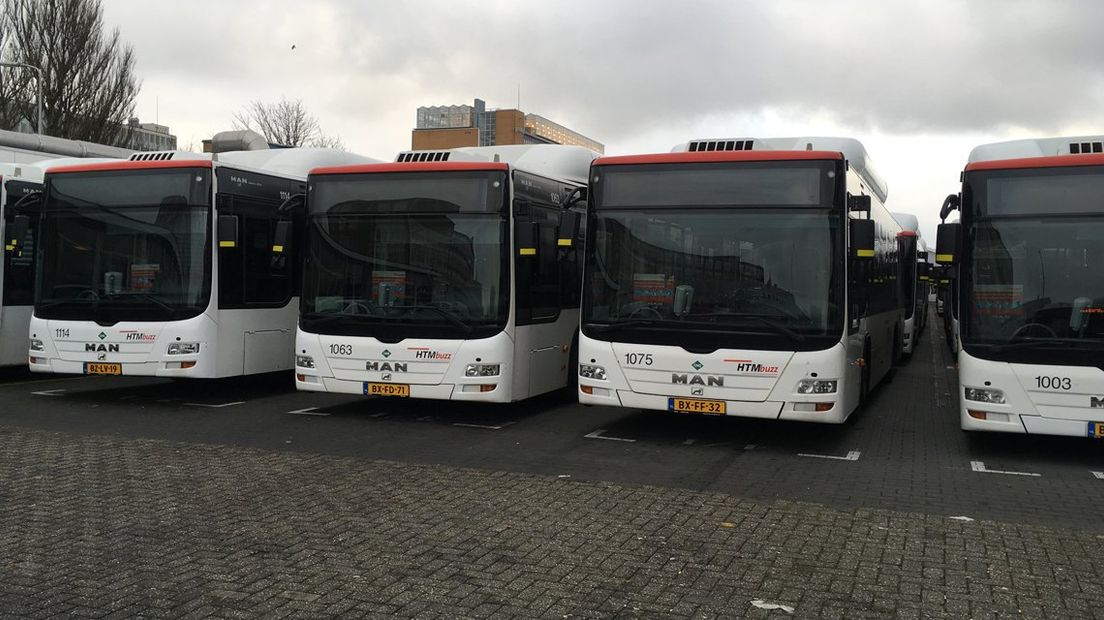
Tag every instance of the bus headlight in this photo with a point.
(590, 371)
(985, 395)
(304, 361)
(816, 386)
(184, 348)
(36, 345)
(482, 370)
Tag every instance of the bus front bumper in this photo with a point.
(483, 392)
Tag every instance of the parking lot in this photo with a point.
(244, 498)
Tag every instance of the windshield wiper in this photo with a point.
(602, 327)
(1031, 344)
(150, 297)
(775, 325)
(451, 316)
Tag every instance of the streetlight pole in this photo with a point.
(39, 70)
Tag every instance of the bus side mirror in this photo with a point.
(20, 225)
(228, 231)
(527, 235)
(858, 203)
(950, 204)
(948, 243)
(281, 239)
(569, 228)
(862, 239)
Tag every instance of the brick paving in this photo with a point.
(104, 527)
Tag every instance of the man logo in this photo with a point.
(709, 380)
(1096, 403)
(92, 347)
(385, 366)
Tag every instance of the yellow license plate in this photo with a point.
(94, 368)
(386, 389)
(1096, 430)
(696, 405)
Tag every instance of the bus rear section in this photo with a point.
(450, 275)
(752, 278)
(1028, 249)
(170, 264)
(912, 254)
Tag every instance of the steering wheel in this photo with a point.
(1027, 326)
(355, 307)
(644, 310)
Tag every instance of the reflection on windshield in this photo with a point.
(763, 270)
(114, 256)
(429, 268)
(1036, 279)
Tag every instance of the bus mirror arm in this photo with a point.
(29, 202)
(295, 201)
(951, 203)
(574, 197)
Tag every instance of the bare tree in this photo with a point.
(89, 86)
(285, 122)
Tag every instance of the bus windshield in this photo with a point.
(125, 246)
(1033, 265)
(728, 274)
(407, 254)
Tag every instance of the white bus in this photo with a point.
(19, 184)
(1028, 250)
(171, 264)
(449, 275)
(914, 271)
(744, 277)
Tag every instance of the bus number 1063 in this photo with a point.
(341, 349)
(1054, 383)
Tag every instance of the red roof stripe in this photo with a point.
(131, 165)
(1053, 161)
(715, 156)
(907, 233)
(413, 166)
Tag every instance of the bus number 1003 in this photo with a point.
(1054, 383)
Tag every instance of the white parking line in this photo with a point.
(1099, 475)
(600, 434)
(56, 392)
(309, 411)
(486, 426)
(979, 466)
(219, 406)
(851, 456)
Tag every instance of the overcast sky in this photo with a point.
(919, 83)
